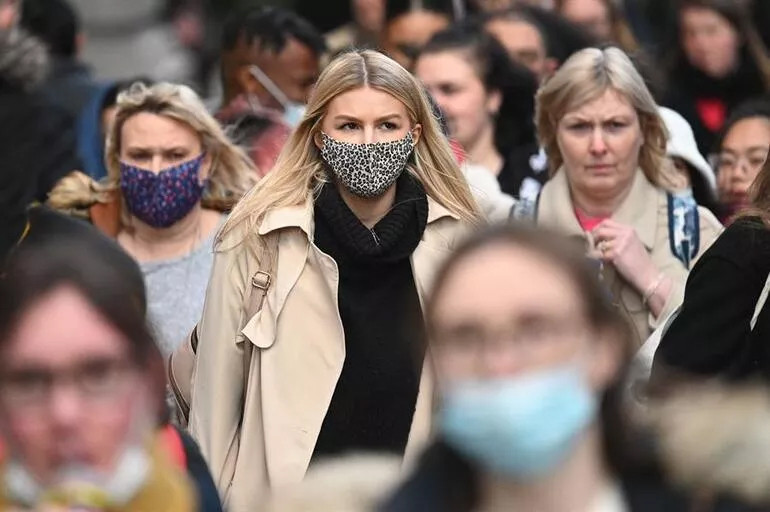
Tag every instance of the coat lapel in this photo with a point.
(639, 209)
(299, 375)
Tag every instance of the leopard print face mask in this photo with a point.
(367, 170)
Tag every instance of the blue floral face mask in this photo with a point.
(521, 427)
(162, 199)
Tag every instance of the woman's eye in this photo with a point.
(726, 163)
(387, 125)
(616, 125)
(348, 126)
(140, 157)
(579, 127)
(448, 90)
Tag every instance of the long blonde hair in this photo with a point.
(586, 76)
(300, 170)
(232, 172)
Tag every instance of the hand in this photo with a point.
(620, 245)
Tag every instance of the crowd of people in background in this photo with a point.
(456, 255)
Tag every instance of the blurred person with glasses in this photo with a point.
(81, 384)
(530, 359)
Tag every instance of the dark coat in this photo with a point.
(198, 471)
(711, 336)
(444, 481)
(688, 86)
(37, 138)
(70, 85)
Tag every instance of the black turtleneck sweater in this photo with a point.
(375, 397)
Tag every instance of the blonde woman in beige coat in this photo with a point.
(363, 204)
(613, 186)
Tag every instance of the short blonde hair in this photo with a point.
(232, 172)
(586, 76)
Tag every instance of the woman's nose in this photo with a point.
(157, 163)
(65, 407)
(369, 135)
(598, 145)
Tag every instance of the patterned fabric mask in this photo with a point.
(367, 170)
(162, 199)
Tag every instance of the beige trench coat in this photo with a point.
(646, 209)
(299, 349)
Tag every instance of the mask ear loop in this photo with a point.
(268, 84)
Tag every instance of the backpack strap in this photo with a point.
(255, 296)
(263, 277)
(525, 209)
(683, 227)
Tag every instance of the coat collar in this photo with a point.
(301, 216)
(640, 208)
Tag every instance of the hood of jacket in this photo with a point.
(715, 439)
(23, 60)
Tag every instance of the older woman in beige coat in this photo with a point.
(613, 186)
(366, 176)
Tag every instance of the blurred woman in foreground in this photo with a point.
(530, 356)
(81, 384)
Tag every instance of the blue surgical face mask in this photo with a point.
(293, 112)
(519, 427)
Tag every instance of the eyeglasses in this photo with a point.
(526, 338)
(728, 162)
(96, 381)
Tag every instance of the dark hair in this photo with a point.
(522, 15)
(735, 13)
(621, 31)
(397, 8)
(563, 38)
(107, 277)
(271, 27)
(568, 256)
(55, 22)
(756, 107)
(515, 119)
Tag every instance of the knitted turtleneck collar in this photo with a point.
(393, 238)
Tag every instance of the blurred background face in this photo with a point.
(9, 13)
(453, 82)
(369, 14)
(682, 173)
(366, 115)
(709, 41)
(524, 44)
(600, 143)
(741, 157)
(505, 311)
(406, 35)
(293, 71)
(69, 391)
(591, 15)
(156, 142)
(500, 5)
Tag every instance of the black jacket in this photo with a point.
(445, 482)
(37, 138)
(711, 336)
(687, 86)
